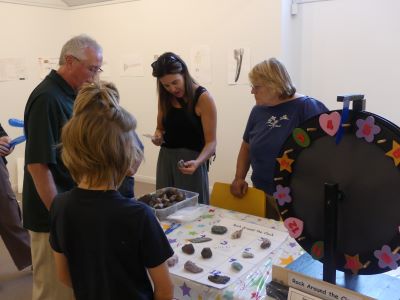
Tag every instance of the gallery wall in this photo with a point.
(346, 46)
(26, 34)
(146, 28)
(330, 48)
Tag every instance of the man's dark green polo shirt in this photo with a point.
(48, 108)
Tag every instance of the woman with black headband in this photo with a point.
(186, 127)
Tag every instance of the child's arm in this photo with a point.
(62, 268)
(163, 287)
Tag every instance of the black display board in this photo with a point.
(364, 162)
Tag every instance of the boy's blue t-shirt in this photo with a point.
(268, 128)
(109, 241)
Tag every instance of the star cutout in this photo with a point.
(395, 153)
(286, 260)
(285, 163)
(185, 289)
(353, 263)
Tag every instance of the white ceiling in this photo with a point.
(65, 4)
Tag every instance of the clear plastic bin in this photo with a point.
(192, 199)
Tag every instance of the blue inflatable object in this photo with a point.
(16, 123)
(17, 141)
(20, 139)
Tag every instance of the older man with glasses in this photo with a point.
(48, 108)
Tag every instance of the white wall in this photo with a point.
(149, 27)
(346, 46)
(26, 32)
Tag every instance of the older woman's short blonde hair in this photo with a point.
(98, 141)
(273, 74)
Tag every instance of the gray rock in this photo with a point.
(181, 163)
(216, 229)
(201, 240)
(188, 249)
(206, 252)
(219, 279)
(237, 234)
(173, 260)
(246, 254)
(192, 267)
(237, 266)
(266, 243)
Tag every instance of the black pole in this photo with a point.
(330, 229)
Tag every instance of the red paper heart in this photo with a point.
(294, 226)
(330, 122)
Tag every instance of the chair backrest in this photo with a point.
(253, 203)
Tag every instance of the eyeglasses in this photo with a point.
(163, 65)
(255, 87)
(91, 69)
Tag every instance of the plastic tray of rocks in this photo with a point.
(190, 199)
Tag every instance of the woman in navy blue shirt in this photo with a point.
(278, 110)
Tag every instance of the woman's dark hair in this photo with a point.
(170, 63)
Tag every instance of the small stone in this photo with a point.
(237, 266)
(188, 249)
(206, 252)
(219, 279)
(192, 267)
(173, 260)
(246, 254)
(200, 240)
(181, 163)
(237, 234)
(266, 243)
(216, 229)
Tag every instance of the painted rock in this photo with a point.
(246, 254)
(266, 243)
(188, 249)
(237, 234)
(172, 261)
(200, 240)
(219, 279)
(206, 252)
(216, 229)
(192, 267)
(237, 266)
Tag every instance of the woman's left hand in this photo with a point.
(189, 168)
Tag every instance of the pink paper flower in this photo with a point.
(282, 194)
(387, 258)
(367, 129)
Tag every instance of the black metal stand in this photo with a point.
(332, 195)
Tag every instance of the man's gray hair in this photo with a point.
(76, 47)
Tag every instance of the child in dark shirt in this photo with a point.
(105, 245)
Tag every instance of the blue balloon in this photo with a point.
(17, 141)
(16, 123)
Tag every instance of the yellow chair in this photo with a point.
(253, 203)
